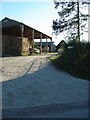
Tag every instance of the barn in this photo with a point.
(18, 37)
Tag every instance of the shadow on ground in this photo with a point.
(44, 91)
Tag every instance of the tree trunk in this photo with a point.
(78, 21)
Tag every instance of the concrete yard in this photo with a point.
(32, 87)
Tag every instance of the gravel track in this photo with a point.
(32, 81)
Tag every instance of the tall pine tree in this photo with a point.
(72, 18)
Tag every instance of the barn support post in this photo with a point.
(22, 31)
(32, 41)
(51, 45)
(1, 48)
(40, 43)
(46, 45)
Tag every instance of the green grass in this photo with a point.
(53, 58)
(25, 53)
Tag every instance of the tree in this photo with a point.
(35, 45)
(72, 19)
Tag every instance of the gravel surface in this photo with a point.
(32, 81)
(15, 67)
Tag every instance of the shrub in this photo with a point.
(74, 60)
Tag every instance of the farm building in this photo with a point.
(61, 45)
(18, 37)
(48, 45)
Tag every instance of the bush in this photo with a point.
(74, 60)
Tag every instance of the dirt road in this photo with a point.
(13, 67)
(31, 84)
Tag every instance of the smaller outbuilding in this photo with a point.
(61, 45)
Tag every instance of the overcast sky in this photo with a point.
(38, 14)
